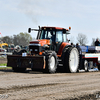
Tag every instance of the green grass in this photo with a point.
(1, 68)
(3, 64)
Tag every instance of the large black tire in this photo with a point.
(19, 52)
(51, 62)
(71, 61)
(16, 52)
(80, 57)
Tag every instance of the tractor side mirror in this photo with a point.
(29, 30)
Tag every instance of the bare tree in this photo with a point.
(93, 42)
(72, 39)
(82, 39)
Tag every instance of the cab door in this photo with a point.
(56, 40)
(59, 40)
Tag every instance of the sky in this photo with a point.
(83, 16)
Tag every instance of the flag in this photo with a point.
(1, 34)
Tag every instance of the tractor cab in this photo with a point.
(55, 35)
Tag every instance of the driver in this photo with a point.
(52, 37)
(52, 41)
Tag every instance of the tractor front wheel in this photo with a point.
(51, 62)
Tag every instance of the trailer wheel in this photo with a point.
(51, 62)
(86, 67)
(17, 69)
(71, 61)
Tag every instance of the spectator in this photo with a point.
(72, 45)
(77, 45)
(97, 42)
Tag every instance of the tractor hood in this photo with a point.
(40, 42)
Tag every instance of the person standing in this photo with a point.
(97, 42)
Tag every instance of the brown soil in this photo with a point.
(33, 85)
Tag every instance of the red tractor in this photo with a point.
(51, 49)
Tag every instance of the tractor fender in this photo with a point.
(62, 46)
(64, 51)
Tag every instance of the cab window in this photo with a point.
(46, 34)
(59, 36)
(64, 37)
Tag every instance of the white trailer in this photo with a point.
(90, 58)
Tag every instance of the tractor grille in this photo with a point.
(35, 49)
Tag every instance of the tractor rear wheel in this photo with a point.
(71, 61)
(51, 62)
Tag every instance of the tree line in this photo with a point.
(82, 40)
(24, 39)
(19, 39)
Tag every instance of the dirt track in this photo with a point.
(33, 85)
